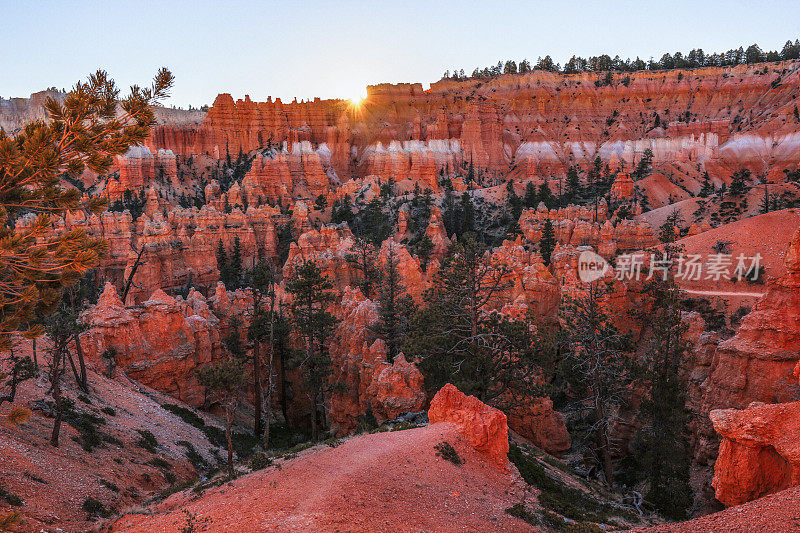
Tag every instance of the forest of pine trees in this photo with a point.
(693, 59)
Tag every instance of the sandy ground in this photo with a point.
(380, 482)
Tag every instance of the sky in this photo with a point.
(333, 49)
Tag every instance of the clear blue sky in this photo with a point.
(334, 48)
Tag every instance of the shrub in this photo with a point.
(10, 498)
(446, 451)
(109, 485)
(518, 510)
(185, 414)
(193, 456)
(260, 461)
(160, 463)
(147, 441)
(109, 411)
(95, 508)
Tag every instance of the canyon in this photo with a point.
(265, 179)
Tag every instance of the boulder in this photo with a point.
(484, 427)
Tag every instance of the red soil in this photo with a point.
(777, 513)
(380, 482)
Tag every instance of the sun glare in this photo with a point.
(358, 97)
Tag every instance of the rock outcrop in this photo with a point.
(484, 427)
(760, 451)
(159, 343)
(364, 380)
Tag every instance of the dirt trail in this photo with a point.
(381, 482)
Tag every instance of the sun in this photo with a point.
(358, 97)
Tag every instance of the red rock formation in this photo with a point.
(484, 427)
(160, 343)
(528, 124)
(760, 451)
(756, 364)
(540, 424)
(623, 186)
(364, 380)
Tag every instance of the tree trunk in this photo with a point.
(284, 403)
(74, 368)
(55, 377)
(258, 398)
(83, 382)
(269, 366)
(35, 360)
(129, 281)
(229, 423)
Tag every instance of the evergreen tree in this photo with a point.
(670, 230)
(530, 200)
(572, 194)
(457, 341)
(235, 266)
(226, 380)
(597, 370)
(62, 327)
(342, 211)
(707, 189)
(796, 114)
(423, 250)
(514, 202)
(313, 324)
(740, 181)
(363, 257)
(84, 130)
(395, 307)
(546, 195)
(222, 264)
(262, 327)
(467, 223)
(661, 447)
(644, 167)
(548, 241)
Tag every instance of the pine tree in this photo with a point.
(572, 194)
(661, 447)
(548, 241)
(363, 257)
(236, 266)
(61, 327)
(530, 200)
(82, 131)
(645, 165)
(546, 195)
(467, 215)
(342, 211)
(739, 181)
(262, 327)
(225, 379)
(597, 369)
(796, 114)
(514, 202)
(395, 307)
(222, 264)
(707, 189)
(670, 230)
(457, 341)
(313, 324)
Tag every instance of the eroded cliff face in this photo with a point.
(525, 126)
(742, 382)
(760, 450)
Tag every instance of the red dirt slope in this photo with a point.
(380, 482)
(777, 513)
